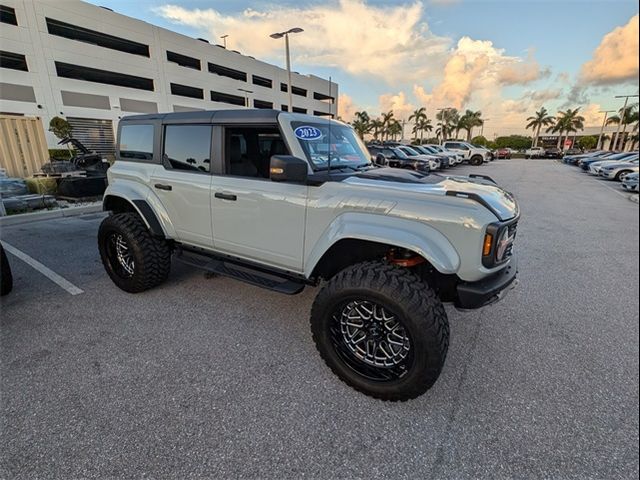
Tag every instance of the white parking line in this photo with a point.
(619, 192)
(47, 272)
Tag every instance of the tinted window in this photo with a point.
(188, 147)
(14, 61)
(183, 60)
(74, 32)
(136, 142)
(8, 15)
(87, 74)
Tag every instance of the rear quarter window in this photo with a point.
(136, 142)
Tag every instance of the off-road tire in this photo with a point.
(152, 256)
(6, 278)
(418, 309)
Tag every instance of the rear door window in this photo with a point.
(188, 147)
(136, 142)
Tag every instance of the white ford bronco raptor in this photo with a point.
(283, 201)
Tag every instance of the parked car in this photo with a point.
(311, 211)
(614, 171)
(434, 162)
(573, 151)
(473, 155)
(630, 182)
(553, 153)
(534, 152)
(446, 159)
(503, 153)
(387, 156)
(459, 158)
(487, 151)
(586, 163)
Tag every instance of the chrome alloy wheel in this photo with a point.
(121, 256)
(371, 340)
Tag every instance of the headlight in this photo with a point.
(498, 243)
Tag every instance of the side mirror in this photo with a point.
(287, 168)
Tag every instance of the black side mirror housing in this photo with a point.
(287, 168)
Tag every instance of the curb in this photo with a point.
(634, 199)
(48, 215)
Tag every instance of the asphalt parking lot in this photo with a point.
(208, 377)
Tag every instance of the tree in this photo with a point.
(425, 126)
(627, 116)
(517, 142)
(588, 142)
(377, 127)
(418, 116)
(394, 129)
(387, 119)
(470, 120)
(61, 129)
(480, 140)
(539, 120)
(447, 119)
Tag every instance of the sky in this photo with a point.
(505, 58)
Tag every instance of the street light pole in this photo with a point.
(622, 117)
(604, 122)
(224, 40)
(278, 35)
(482, 126)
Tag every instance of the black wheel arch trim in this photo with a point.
(145, 211)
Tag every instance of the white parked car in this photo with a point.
(534, 152)
(284, 201)
(474, 155)
(615, 170)
(630, 181)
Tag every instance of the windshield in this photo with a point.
(400, 154)
(410, 151)
(323, 141)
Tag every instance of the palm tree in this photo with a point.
(448, 118)
(386, 122)
(425, 126)
(377, 127)
(575, 123)
(539, 120)
(394, 128)
(361, 124)
(418, 116)
(627, 116)
(469, 120)
(559, 126)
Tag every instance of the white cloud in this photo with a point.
(389, 42)
(346, 107)
(615, 60)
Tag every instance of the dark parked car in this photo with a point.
(394, 157)
(573, 151)
(585, 163)
(553, 153)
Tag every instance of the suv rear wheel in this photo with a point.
(381, 330)
(133, 258)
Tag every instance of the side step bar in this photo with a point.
(245, 273)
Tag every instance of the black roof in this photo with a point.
(257, 115)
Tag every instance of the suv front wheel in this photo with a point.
(381, 330)
(133, 258)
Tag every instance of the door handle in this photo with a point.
(225, 196)
(161, 186)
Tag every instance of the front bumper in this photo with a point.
(472, 295)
